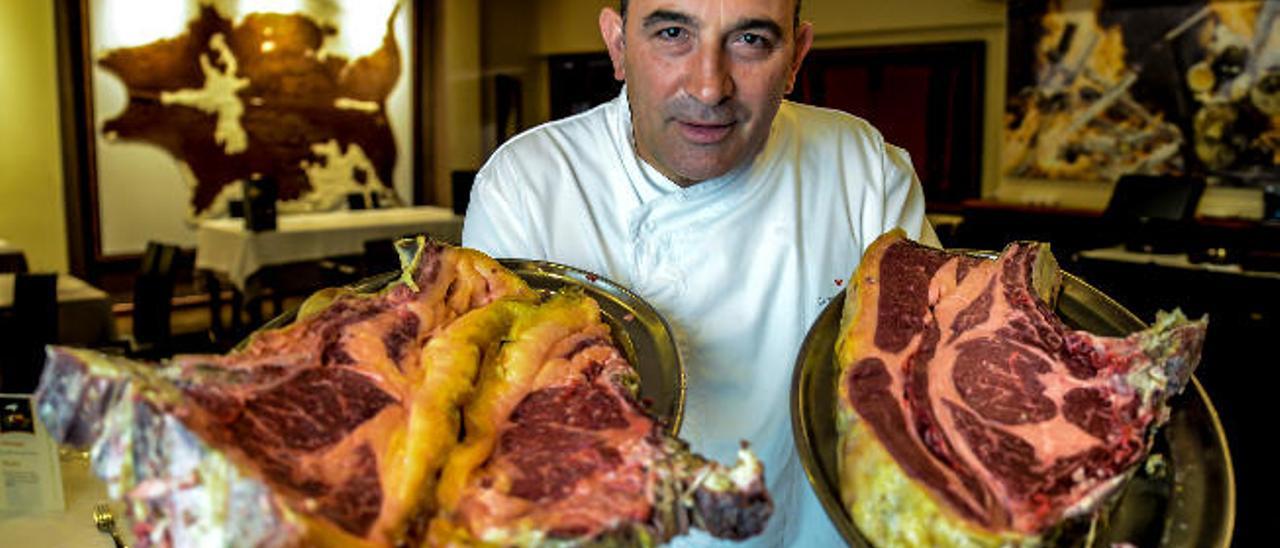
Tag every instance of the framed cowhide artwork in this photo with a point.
(171, 105)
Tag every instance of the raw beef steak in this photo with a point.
(969, 414)
(337, 429)
(558, 449)
(296, 439)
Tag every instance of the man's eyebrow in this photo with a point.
(667, 16)
(768, 25)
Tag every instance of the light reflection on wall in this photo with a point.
(123, 23)
(268, 6)
(360, 24)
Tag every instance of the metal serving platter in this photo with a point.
(638, 329)
(1191, 504)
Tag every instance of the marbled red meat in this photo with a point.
(960, 381)
(344, 427)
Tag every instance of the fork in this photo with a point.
(106, 523)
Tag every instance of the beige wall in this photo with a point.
(31, 205)
(458, 91)
(518, 35)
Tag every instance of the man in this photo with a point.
(735, 214)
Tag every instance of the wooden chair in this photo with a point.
(13, 262)
(34, 325)
(153, 302)
(380, 256)
(151, 337)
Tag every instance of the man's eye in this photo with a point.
(754, 40)
(671, 33)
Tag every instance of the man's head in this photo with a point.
(795, 14)
(704, 77)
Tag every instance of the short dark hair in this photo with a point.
(795, 23)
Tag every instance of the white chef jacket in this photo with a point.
(740, 265)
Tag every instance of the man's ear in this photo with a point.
(804, 41)
(614, 39)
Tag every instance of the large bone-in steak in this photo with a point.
(350, 426)
(969, 414)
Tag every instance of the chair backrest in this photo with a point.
(159, 258)
(380, 256)
(1153, 212)
(153, 294)
(1155, 197)
(13, 262)
(35, 324)
(461, 182)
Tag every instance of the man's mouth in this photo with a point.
(704, 133)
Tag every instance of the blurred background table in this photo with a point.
(226, 247)
(84, 311)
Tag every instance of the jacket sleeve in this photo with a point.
(497, 221)
(904, 204)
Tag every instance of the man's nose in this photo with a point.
(710, 81)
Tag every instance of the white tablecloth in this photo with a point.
(84, 311)
(72, 528)
(226, 247)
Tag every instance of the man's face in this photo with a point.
(704, 78)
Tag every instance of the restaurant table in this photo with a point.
(226, 247)
(73, 527)
(261, 263)
(84, 311)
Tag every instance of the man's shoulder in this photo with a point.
(829, 125)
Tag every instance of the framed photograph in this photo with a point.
(171, 105)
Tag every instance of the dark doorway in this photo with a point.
(926, 98)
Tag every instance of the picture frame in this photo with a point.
(165, 115)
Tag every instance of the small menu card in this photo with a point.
(30, 472)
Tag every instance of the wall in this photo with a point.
(31, 203)
(458, 91)
(518, 36)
